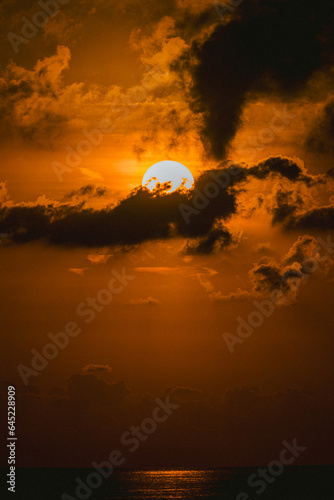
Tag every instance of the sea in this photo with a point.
(293, 483)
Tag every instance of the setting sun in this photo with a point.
(167, 243)
(172, 172)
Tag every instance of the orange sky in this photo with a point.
(126, 81)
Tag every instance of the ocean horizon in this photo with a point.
(294, 483)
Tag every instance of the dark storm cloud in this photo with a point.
(321, 218)
(321, 137)
(140, 217)
(267, 47)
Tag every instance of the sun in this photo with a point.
(168, 171)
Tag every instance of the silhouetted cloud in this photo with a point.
(286, 202)
(265, 47)
(301, 260)
(88, 389)
(321, 137)
(89, 191)
(217, 239)
(197, 214)
(210, 419)
(321, 218)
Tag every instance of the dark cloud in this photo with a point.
(295, 208)
(218, 238)
(183, 394)
(204, 420)
(88, 389)
(301, 260)
(268, 277)
(303, 249)
(266, 47)
(197, 214)
(89, 191)
(286, 203)
(140, 217)
(281, 166)
(321, 137)
(321, 218)
(57, 391)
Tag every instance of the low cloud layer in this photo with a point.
(198, 215)
(91, 409)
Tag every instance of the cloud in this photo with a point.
(198, 214)
(284, 167)
(100, 258)
(321, 137)
(321, 218)
(218, 238)
(264, 47)
(158, 270)
(211, 419)
(286, 202)
(216, 295)
(263, 247)
(306, 247)
(97, 369)
(57, 391)
(183, 394)
(268, 277)
(78, 270)
(87, 389)
(149, 301)
(29, 99)
(302, 260)
(4, 196)
(237, 295)
(142, 216)
(88, 191)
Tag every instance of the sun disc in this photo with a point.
(172, 172)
